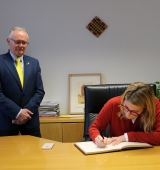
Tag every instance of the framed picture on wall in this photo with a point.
(77, 82)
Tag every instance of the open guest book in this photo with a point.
(90, 147)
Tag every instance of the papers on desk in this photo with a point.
(71, 116)
(48, 108)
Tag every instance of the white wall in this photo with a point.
(127, 51)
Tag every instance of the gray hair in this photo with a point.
(19, 29)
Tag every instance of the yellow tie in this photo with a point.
(19, 70)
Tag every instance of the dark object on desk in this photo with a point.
(95, 98)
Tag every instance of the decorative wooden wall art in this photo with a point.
(96, 26)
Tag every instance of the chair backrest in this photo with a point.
(95, 98)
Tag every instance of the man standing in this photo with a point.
(21, 88)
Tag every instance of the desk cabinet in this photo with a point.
(52, 131)
(72, 132)
(62, 129)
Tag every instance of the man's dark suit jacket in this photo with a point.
(13, 97)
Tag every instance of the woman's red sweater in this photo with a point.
(118, 126)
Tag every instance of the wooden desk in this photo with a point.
(62, 129)
(25, 153)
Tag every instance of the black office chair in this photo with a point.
(95, 98)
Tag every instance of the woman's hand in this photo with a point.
(116, 140)
(100, 142)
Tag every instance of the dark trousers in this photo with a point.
(23, 131)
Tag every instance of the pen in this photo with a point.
(101, 134)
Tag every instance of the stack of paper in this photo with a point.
(48, 108)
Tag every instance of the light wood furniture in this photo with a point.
(24, 152)
(62, 129)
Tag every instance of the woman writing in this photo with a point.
(133, 117)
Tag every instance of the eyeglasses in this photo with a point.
(134, 113)
(18, 42)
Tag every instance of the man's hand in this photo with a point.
(23, 117)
